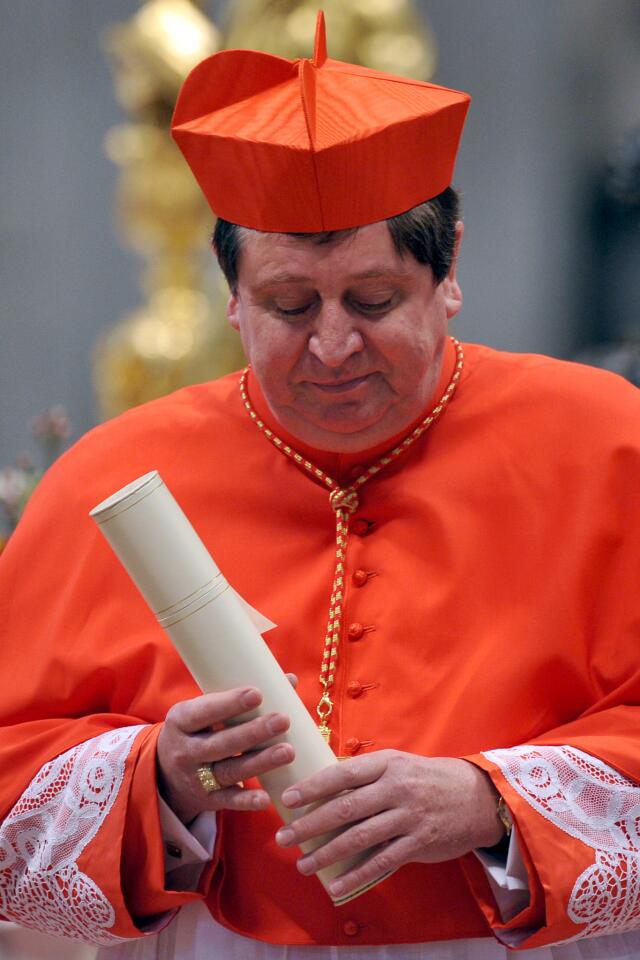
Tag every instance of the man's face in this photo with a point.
(345, 338)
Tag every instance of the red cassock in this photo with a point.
(491, 612)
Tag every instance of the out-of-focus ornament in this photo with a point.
(152, 53)
(171, 341)
(389, 35)
(179, 335)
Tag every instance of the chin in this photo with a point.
(344, 438)
(349, 419)
(340, 431)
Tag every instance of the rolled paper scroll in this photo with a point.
(212, 630)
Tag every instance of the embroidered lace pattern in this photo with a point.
(594, 803)
(42, 838)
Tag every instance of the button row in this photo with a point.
(361, 527)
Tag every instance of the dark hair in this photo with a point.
(427, 231)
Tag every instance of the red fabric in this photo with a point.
(500, 608)
(314, 138)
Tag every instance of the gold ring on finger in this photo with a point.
(208, 780)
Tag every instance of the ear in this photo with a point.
(232, 311)
(452, 291)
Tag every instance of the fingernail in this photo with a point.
(275, 724)
(336, 887)
(306, 865)
(251, 698)
(280, 754)
(290, 798)
(284, 836)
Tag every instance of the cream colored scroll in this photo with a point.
(210, 627)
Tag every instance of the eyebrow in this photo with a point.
(283, 278)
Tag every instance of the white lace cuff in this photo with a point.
(44, 835)
(592, 802)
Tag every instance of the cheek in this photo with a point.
(273, 351)
(407, 354)
(411, 354)
(257, 334)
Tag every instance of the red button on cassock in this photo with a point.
(354, 689)
(355, 631)
(351, 928)
(352, 745)
(359, 577)
(361, 527)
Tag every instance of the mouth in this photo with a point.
(342, 386)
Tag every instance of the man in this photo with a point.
(461, 520)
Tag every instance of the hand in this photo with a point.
(408, 808)
(193, 734)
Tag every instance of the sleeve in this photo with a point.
(85, 680)
(574, 790)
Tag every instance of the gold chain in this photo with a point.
(344, 501)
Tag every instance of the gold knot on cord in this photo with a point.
(344, 501)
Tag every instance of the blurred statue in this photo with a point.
(388, 35)
(179, 335)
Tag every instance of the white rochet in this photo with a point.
(212, 629)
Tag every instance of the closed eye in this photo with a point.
(294, 311)
(379, 307)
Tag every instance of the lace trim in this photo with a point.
(595, 804)
(43, 836)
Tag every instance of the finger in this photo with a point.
(190, 716)
(383, 861)
(250, 765)
(293, 680)
(335, 814)
(336, 778)
(237, 798)
(239, 739)
(367, 835)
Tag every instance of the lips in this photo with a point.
(341, 386)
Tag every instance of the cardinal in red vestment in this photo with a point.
(446, 537)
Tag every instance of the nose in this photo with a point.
(335, 336)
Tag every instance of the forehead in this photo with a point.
(271, 258)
